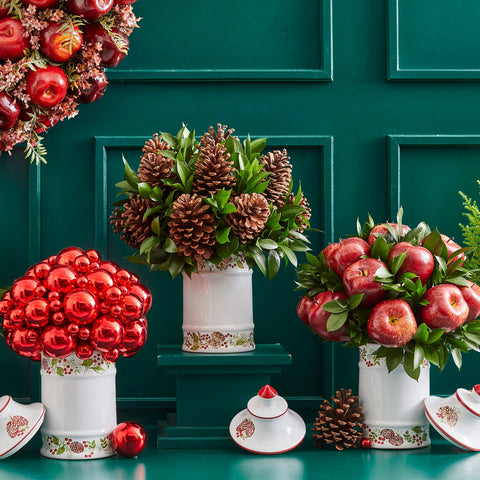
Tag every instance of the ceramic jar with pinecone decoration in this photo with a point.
(209, 209)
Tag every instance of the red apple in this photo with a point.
(13, 40)
(124, 2)
(89, 9)
(328, 251)
(382, 229)
(471, 295)
(318, 317)
(59, 44)
(359, 277)
(418, 260)
(110, 54)
(3, 12)
(392, 323)
(349, 251)
(9, 111)
(303, 308)
(95, 91)
(47, 86)
(446, 309)
(452, 246)
(41, 4)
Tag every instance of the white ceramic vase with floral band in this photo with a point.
(80, 401)
(218, 308)
(392, 403)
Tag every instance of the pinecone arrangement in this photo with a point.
(193, 202)
(339, 423)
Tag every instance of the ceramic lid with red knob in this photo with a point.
(267, 403)
(457, 417)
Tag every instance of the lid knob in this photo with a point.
(476, 389)
(269, 392)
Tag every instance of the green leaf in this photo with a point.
(421, 335)
(259, 258)
(149, 244)
(335, 306)
(336, 321)
(290, 254)
(396, 262)
(457, 357)
(394, 358)
(418, 356)
(155, 225)
(354, 300)
(258, 145)
(175, 265)
(55, 440)
(408, 366)
(169, 246)
(222, 234)
(380, 249)
(267, 244)
(169, 139)
(273, 263)
(228, 208)
(291, 210)
(144, 190)
(88, 362)
(60, 450)
(130, 176)
(434, 243)
(460, 281)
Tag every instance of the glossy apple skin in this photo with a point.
(447, 308)
(418, 260)
(110, 55)
(359, 277)
(41, 4)
(392, 323)
(452, 246)
(471, 295)
(350, 250)
(303, 309)
(9, 111)
(383, 230)
(95, 91)
(13, 40)
(53, 42)
(47, 87)
(89, 9)
(3, 12)
(318, 317)
(328, 251)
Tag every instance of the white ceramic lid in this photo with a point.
(267, 403)
(18, 424)
(457, 417)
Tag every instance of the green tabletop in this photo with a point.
(439, 461)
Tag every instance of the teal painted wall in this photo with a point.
(354, 91)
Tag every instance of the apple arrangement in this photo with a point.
(411, 291)
(52, 59)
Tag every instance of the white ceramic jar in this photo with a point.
(218, 309)
(392, 403)
(80, 401)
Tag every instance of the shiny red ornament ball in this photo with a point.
(144, 293)
(24, 289)
(106, 333)
(129, 439)
(57, 342)
(134, 338)
(68, 256)
(366, 443)
(60, 278)
(80, 306)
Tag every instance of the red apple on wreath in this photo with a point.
(60, 44)
(13, 40)
(89, 9)
(9, 111)
(446, 309)
(41, 4)
(95, 91)
(111, 54)
(392, 323)
(47, 86)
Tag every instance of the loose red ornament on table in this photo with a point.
(366, 443)
(129, 439)
(68, 303)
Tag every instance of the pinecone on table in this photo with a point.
(154, 165)
(192, 227)
(251, 216)
(128, 220)
(302, 220)
(339, 424)
(277, 163)
(213, 170)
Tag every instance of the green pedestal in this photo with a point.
(211, 389)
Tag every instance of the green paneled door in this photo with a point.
(376, 104)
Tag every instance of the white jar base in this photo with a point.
(76, 447)
(383, 437)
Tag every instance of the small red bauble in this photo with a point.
(366, 443)
(129, 439)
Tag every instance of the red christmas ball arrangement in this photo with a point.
(52, 58)
(129, 439)
(74, 302)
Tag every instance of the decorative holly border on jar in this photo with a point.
(417, 436)
(76, 449)
(73, 366)
(208, 341)
(369, 359)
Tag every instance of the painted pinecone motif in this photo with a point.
(216, 340)
(213, 170)
(339, 424)
(277, 163)
(251, 216)
(128, 221)
(192, 227)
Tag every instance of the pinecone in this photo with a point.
(213, 170)
(192, 227)
(251, 216)
(302, 220)
(339, 424)
(153, 165)
(277, 163)
(128, 220)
